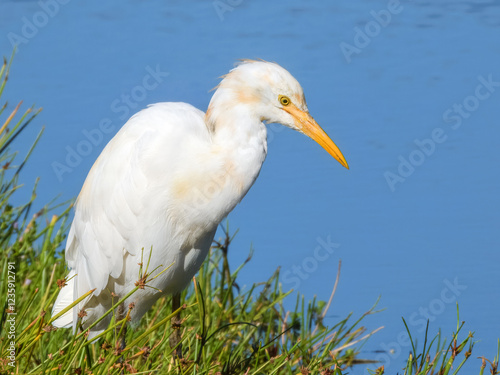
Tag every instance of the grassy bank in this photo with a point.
(224, 330)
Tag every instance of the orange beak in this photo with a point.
(307, 125)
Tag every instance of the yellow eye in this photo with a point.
(284, 100)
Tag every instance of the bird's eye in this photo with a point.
(284, 100)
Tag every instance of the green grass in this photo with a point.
(224, 330)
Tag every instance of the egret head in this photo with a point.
(272, 94)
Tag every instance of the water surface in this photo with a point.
(415, 220)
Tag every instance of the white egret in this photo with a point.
(165, 182)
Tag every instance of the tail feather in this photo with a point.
(63, 300)
(95, 307)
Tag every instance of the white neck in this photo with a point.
(242, 137)
(239, 148)
(238, 130)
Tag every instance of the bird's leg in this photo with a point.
(122, 329)
(175, 338)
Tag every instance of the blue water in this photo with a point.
(415, 225)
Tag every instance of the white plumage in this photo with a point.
(164, 183)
